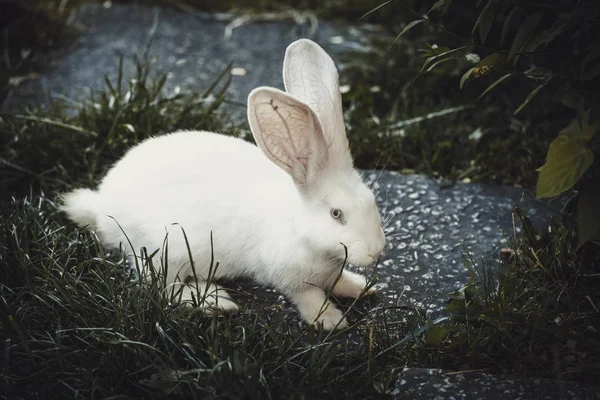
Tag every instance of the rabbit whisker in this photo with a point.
(389, 219)
(382, 169)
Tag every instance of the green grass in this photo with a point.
(535, 311)
(76, 327)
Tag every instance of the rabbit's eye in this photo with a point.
(337, 214)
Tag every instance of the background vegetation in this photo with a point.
(463, 93)
(552, 48)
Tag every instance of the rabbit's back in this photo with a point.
(187, 155)
(204, 183)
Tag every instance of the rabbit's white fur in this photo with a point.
(270, 217)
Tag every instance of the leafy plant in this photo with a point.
(515, 312)
(555, 47)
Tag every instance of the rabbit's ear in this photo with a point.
(309, 74)
(289, 133)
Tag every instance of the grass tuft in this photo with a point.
(62, 147)
(76, 326)
(533, 311)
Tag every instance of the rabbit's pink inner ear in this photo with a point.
(289, 134)
(303, 161)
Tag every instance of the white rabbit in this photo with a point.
(283, 219)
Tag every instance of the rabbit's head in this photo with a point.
(302, 131)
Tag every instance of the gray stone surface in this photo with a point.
(192, 49)
(428, 226)
(435, 384)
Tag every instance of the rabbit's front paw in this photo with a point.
(331, 318)
(352, 285)
(211, 299)
(315, 308)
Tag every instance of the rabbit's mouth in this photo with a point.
(358, 254)
(364, 261)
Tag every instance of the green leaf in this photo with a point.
(580, 127)
(567, 160)
(435, 335)
(493, 85)
(466, 76)
(437, 5)
(546, 36)
(530, 97)
(486, 19)
(592, 56)
(409, 27)
(456, 306)
(432, 51)
(444, 54)
(524, 34)
(588, 214)
(493, 61)
(472, 292)
(435, 64)
(507, 23)
(375, 9)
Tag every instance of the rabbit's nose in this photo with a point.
(375, 256)
(375, 252)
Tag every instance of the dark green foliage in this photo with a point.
(532, 311)
(398, 122)
(553, 49)
(536, 310)
(30, 27)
